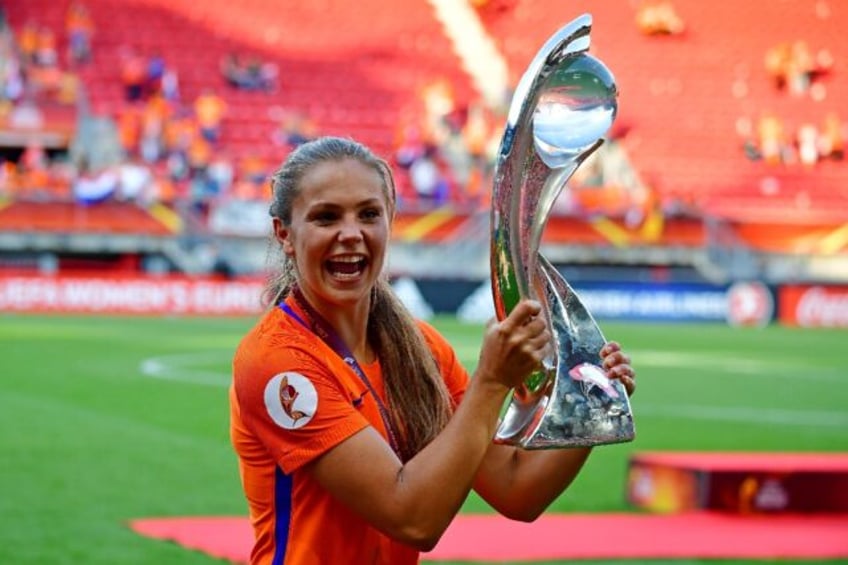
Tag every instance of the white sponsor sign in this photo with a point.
(129, 295)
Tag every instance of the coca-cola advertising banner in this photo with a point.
(813, 306)
(122, 295)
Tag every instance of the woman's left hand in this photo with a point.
(617, 365)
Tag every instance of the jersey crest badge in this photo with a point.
(291, 400)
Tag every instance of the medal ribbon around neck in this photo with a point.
(320, 327)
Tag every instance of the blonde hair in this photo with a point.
(418, 401)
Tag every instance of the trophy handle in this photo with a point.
(563, 105)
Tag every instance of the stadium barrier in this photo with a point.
(739, 483)
(737, 304)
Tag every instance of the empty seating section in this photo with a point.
(681, 95)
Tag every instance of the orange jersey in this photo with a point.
(293, 398)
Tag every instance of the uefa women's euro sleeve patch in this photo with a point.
(291, 400)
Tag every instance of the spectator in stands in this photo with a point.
(209, 111)
(34, 169)
(295, 128)
(181, 130)
(221, 173)
(79, 28)
(155, 115)
(28, 42)
(249, 73)
(231, 69)
(45, 49)
(480, 139)
(171, 84)
(134, 180)
(401, 434)
(750, 144)
(793, 66)
(807, 139)
(133, 74)
(155, 73)
(129, 129)
(203, 188)
(772, 142)
(429, 182)
(439, 103)
(409, 144)
(68, 88)
(11, 71)
(832, 140)
(177, 167)
(658, 17)
(253, 177)
(807, 144)
(163, 190)
(8, 178)
(478, 133)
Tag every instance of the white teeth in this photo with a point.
(349, 258)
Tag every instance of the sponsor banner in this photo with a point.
(813, 306)
(138, 295)
(749, 304)
(741, 304)
(672, 302)
(170, 295)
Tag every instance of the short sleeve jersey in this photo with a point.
(292, 399)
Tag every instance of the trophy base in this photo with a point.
(574, 414)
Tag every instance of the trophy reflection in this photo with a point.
(564, 104)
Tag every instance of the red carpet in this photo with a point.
(571, 536)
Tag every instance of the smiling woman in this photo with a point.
(353, 421)
(337, 232)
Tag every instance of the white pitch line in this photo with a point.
(178, 368)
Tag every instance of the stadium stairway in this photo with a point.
(480, 56)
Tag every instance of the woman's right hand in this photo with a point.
(515, 346)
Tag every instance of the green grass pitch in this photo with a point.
(106, 419)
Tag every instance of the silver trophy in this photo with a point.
(562, 107)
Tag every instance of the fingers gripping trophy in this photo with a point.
(562, 107)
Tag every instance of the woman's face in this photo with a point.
(339, 232)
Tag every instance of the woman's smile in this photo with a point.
(346, 267)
